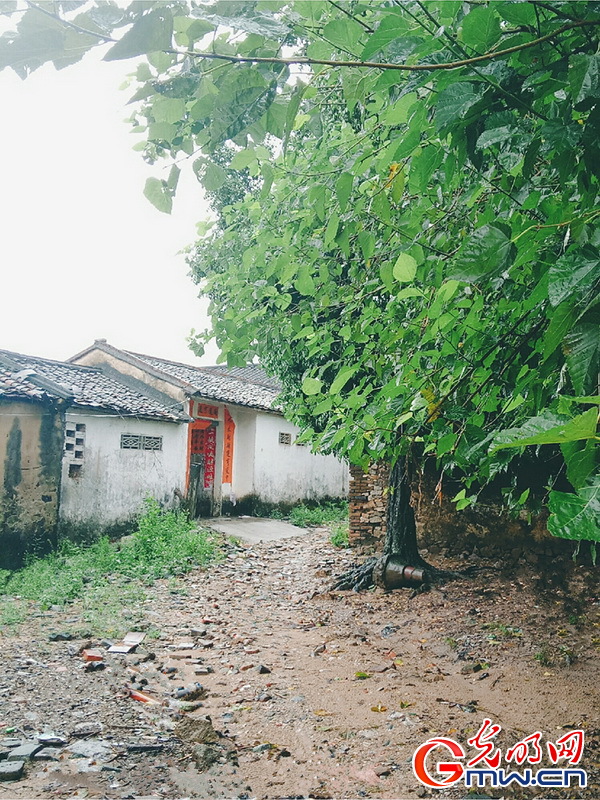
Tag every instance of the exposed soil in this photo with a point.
(311, 693)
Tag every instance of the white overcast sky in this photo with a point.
(83, 254)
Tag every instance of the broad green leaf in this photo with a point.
(390, 28)
(397, 113)
(343, 33)
(242, 158)
(561, 321)
(343, 189)
(405, 268)
(366, 240)
(150, 33)
(311, 386)
(584, 77)
(168, 109)
(488, 250)
(581, 347)
(481, 28)
(576, 516)
(453, 103)
(517, 13)
(159, 195)
(574, 272)
(292, 110)
(422, 166)
(342, 378)
(304, 283)
(214, 176)
(581, 459)
(538, 431)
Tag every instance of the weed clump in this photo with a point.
(109, 574)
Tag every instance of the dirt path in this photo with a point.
(312, 694)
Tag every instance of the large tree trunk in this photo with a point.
(401, 533)
(401, 528)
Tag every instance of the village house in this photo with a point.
(83, 443)
(241, 452)
(79, 452)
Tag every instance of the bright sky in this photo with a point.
(83, 254)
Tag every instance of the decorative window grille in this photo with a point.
(135, 441)
(75, 448)
(285, 438)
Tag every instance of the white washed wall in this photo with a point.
(288, 472)
(113, 483)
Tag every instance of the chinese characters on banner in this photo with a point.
(205, 410)
(210, 446)
(228, 436)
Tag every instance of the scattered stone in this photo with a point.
(85, 729)
(140, 747)
(206, 643)
(60, 636)
(92, 748)
(194, 692)
(196, 729)
(47, 754)
(262, 670)
(251, 651)
(52, 740)
(24, 752)
(262, 748)
(203, 670)
(11, 770)
(94, 666)
(205, 755)
(9, 743)
(198, 632)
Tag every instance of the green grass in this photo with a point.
(108, 577)
(323, 514)
(339, 535)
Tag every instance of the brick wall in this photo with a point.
(483, 531)
(368, 503)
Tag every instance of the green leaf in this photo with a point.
(581, 460)
(576, 516)
(405, 268)
(311, 386)
(584, 77)
(342, 378)
(343, 33)
(537, 431)
(159, 195)
(304, 283)
(343, 189)
(214, 176)
(581, 347)
(488, 250)
(481, 28)
(575, 271)
(561, 321)
(390, 28)
(366, 240)
(243, 158)
(149, 33)
(422, 166)
(453, 103)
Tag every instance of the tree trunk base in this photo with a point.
(363, 576)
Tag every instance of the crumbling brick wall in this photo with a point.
(485, 531)
(368, 501)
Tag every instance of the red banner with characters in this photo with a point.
(228, 437)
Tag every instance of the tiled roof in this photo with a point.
(243, 386)
(14, 385)
(89, 387)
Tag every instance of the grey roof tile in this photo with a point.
(89, 387)
(243, 386)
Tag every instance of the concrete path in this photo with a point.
(255, 529)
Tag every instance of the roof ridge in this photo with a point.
(9, 353)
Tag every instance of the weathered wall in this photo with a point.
(289, 472)
(484, 531)
(96, 358)
(243, 454)
(368, 502)
(106, 487)
(30, 464)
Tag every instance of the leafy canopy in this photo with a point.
(415, 249)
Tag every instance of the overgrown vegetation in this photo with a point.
(309, 516)
(109, 576)
(340, 535)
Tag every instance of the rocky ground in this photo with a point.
(304, 692)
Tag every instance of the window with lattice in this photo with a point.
(137, 441)
(285, 438)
